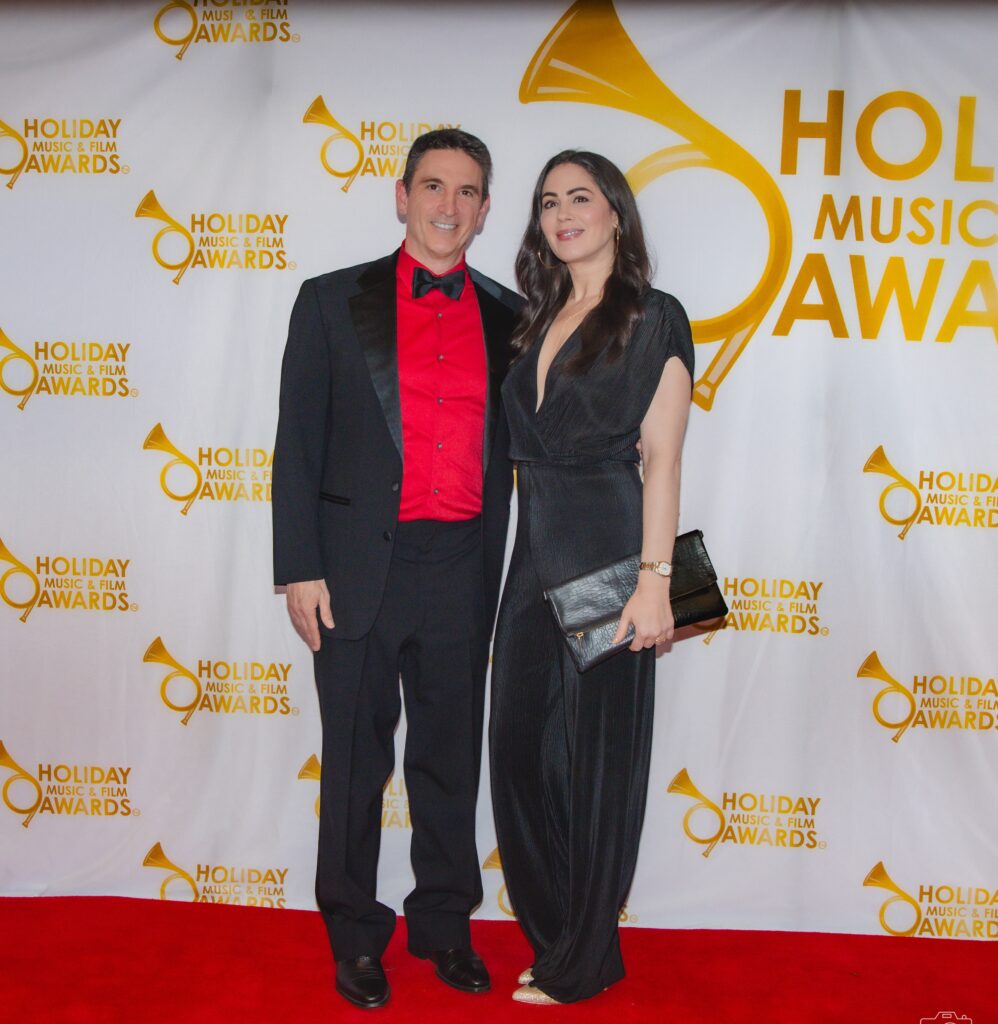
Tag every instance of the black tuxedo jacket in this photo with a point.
(338, 459)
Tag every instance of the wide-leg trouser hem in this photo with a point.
(570, 756)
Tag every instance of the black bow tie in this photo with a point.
(451, 284)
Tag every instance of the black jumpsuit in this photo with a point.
(570, 752)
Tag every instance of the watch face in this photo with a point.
(661, 568)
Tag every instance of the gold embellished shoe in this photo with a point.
(529, 994)
(526, 977)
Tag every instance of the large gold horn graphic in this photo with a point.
(879, 463)
(13, 352)
(493, 862)
(150, 207)
(879, 878)
(158, 441)
(589, 58)
(17, 566)
(318, 113)
(20, 775)
(182, 41)
(157, 653)
(311, 769)
(711, 627)
(872, 668)
(6, 132)
(156, 858)
(683, 784)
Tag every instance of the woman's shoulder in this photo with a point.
(666, 326)
(663, 315)
(659, 304)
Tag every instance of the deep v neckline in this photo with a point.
(541, 400)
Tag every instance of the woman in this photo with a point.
(570, 752)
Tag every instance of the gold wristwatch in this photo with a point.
(662, 568)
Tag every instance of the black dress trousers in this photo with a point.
(431, 631)
(570, 752)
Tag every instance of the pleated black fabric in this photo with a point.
(570, 752)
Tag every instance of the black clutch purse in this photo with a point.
(587, 608)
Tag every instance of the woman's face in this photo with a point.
(577, 220)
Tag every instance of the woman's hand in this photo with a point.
(650, 612)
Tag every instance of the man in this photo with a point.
(391, 501)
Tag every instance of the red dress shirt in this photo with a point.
(443, 379)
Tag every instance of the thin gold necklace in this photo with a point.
(584, 308)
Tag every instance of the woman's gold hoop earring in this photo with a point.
(546, 266)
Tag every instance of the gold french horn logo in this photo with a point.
(872, 668)
(493, 863)
(15, 354)
(19, 775)
(157, 654)
(151, 207)
(879, 878)
(156, 858)
(589, 58)
(158, 441)
(18, 568)
(318, 113)
(6, 132)
(183, 40)
(710, 628)
(312, 770)
(683, 785)
(879, 463)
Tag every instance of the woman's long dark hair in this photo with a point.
(546, 282)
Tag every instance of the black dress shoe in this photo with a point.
(362, 981)
(461, 969)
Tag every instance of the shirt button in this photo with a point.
(440, 401)
(387, 535)
(395, 485)
(440, 316)
(440, 357)
(440, 444)
(436, 490)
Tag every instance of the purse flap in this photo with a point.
(691, 567)
(594, 597)
(600, 595)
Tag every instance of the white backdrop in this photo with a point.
(172, 173)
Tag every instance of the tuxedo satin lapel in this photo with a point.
(496, 323)
(374, 320)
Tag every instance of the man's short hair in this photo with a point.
(449, 138)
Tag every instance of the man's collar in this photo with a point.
(407, 263)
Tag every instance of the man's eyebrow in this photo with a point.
(439, 181)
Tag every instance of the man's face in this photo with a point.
(444, 208)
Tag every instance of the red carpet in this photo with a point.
(114, 960)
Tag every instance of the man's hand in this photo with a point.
(303, 600)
